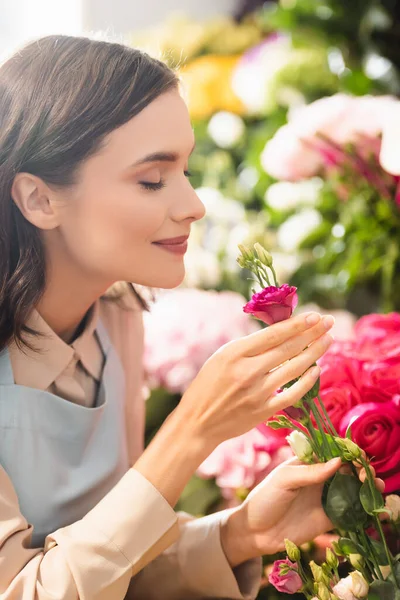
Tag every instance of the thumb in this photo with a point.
(298, 476)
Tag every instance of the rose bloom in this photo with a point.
(289, 583)
(339, 400)
(384, 374)
(340, 364)
(378, 330)
(377, 431)
(273, 304)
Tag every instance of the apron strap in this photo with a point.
(6, 372)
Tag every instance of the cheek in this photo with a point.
(106, 229)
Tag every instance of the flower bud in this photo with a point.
(392, 505)
(350, 450)
(301, 446)
(292, 551)
(318, 572)
(247, 254)
(356, 561)
(331, 559)
(323, 592)
(336, 549)
(263, 255)
(359, 586)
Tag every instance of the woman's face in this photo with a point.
(132, 193)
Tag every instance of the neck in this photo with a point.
(67, 298)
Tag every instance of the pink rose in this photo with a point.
(339, 365)
(273, 304)
(376, 429)
(290, 583)
(338, 400)
(379, 329)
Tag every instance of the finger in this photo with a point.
(299, 476)
(293, 394)
(269, 337)
(292, 347)
(380, 484)
(299, 364)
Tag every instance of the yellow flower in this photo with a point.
(207, 85)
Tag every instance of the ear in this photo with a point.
(34, 199)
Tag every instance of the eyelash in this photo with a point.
(149, 185)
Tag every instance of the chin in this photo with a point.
(164, 282)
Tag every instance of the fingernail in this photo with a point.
(313, 318)
(328, 321)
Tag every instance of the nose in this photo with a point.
(189, 205)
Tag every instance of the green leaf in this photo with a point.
(347, 546)
(396, 569)
(331, 442)
(382, 590)
(343, 505)
(380, 553)
(371, 498)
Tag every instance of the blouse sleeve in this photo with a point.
(92, 559)
(196, 567)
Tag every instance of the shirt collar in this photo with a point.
(40, 367)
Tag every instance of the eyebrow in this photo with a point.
(160, 157)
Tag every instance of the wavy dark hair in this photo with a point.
(59, 97)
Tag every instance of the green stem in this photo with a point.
(327, 417)
(374, 558)
(388, 553)
(358, 537)
(321, 429)
(316, 445)
(274, 275)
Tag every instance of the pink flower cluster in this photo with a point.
(180, 335)
(344, 138)
(244, 461)
(298, 149)
(360, 386)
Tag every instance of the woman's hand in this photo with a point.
(234, 391)
(287, 504)
(236, 387)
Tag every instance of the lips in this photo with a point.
(172, 241)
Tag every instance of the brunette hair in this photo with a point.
(59, 97)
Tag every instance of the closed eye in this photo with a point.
(158, 185)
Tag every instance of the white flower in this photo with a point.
(300, 445)
(393, 505)
(285, 195)
(359, 586)
(352, 587)
(226, 129)
(295, 229)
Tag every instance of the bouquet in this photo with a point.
(362, 518)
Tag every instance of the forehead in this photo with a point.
(163, 125)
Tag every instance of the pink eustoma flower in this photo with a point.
(290, 583)
(273, 304)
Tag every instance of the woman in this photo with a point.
(94, 147)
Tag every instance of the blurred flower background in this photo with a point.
(295, 111)
(296, 114)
